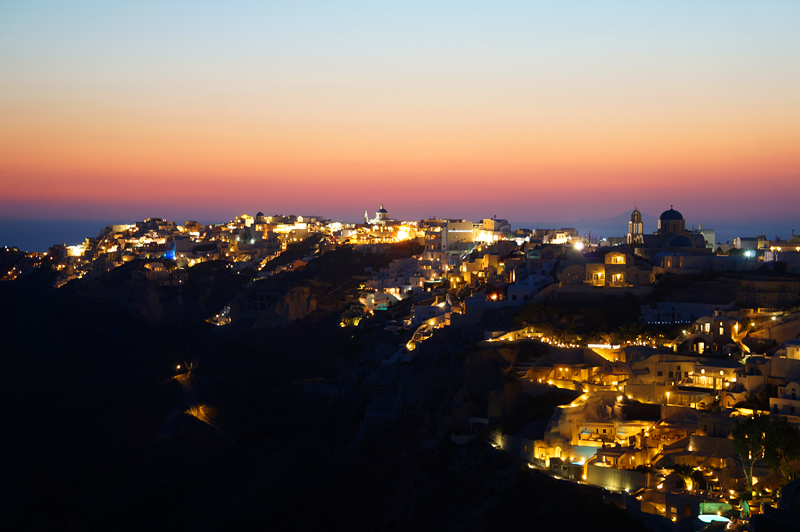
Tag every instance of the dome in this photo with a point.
(260, 215)
(680, 241)
(636, 216)
(671, 214)
(382, 210)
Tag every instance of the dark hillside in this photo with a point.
(102, 439)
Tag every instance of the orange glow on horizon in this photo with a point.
(563, 111)
(187, 154)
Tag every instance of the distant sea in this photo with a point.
(39, 235)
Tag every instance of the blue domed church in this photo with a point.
(671, 236)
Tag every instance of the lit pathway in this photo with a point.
(168, 427)
(196, 410)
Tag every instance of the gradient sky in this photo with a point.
(525, 110)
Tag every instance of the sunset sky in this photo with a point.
(530, 111)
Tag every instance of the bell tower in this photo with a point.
(635, 228)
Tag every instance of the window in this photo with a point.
(791, 410)
(660, 373)
(670, 374)
(678, 368)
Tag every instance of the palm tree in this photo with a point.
(686, 472)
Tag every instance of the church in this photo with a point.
(670, 236)
(381, 217)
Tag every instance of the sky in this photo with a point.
(524, 110)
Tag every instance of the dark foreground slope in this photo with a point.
(97, 434)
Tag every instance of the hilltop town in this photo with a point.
(661, 367)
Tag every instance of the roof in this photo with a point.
(570, 356)
(672, 254)
(727, 363)
(679, 241)
(671, 214)
(613, 451)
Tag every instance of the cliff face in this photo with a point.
(325, 286)
(295, 304)
(202, 291)
(94, 394)
(768, 294)
(150, 306)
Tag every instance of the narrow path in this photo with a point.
(195, 408)
(168, 426)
